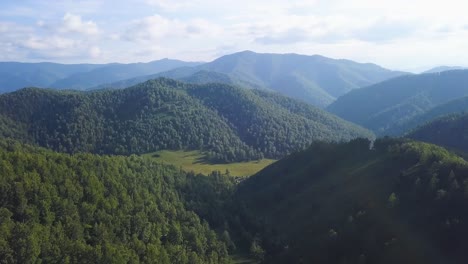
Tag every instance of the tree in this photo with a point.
(393, 200)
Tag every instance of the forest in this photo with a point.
(251, 158)
(84, 208)
(399, 201)
(226, 122)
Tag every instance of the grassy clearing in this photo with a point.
(241, 259)
(193, 161)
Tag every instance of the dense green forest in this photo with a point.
(450, 131)
(313, 79)
(57, 208)
(397, 202)
(384, 106)
(227, 123)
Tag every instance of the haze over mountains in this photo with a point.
(444, 68)
(314, 79)
(389, 104)
(16, 75)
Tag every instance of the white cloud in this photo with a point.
(171, 5)
(397, 33)
(50, 43)
(159, 28)
(74, 24)
(94, 52)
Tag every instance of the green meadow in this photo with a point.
(194, 161)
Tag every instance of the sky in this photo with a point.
(411, 35)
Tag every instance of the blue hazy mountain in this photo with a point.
(314, 79)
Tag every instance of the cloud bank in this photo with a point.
(398, 34)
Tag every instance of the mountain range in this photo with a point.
(390, 104)
(444, 68)
(314, 79)
(16, 75)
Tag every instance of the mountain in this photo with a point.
(444, 68)
(16, 75)
(314, 79)
(398, 202)
(457, 106)
(449, 131)
(117, 72)
(86, 208)
(226, 122)
(387, 104)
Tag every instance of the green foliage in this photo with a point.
(57, 208)
(392, 200)
(448, 131)
(274, 124)
(398, 202)
(257, 251)
(226, 123)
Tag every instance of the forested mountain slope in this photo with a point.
(450, 131)
(400, 202)
(384, 105)
(314, 79)
(454, 107)
(58, 208)
(228, 123)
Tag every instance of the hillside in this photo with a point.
(449, 131)
(384, 105)
(457, 106)
(314, 79)
(17, 75)
(400, 202)
(95, 209)
(225, 122)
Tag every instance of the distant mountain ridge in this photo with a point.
(384, 106)
(444, 68)
(314, 79)
(454, 107)
(16, 75)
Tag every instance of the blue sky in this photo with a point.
(399, 34)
